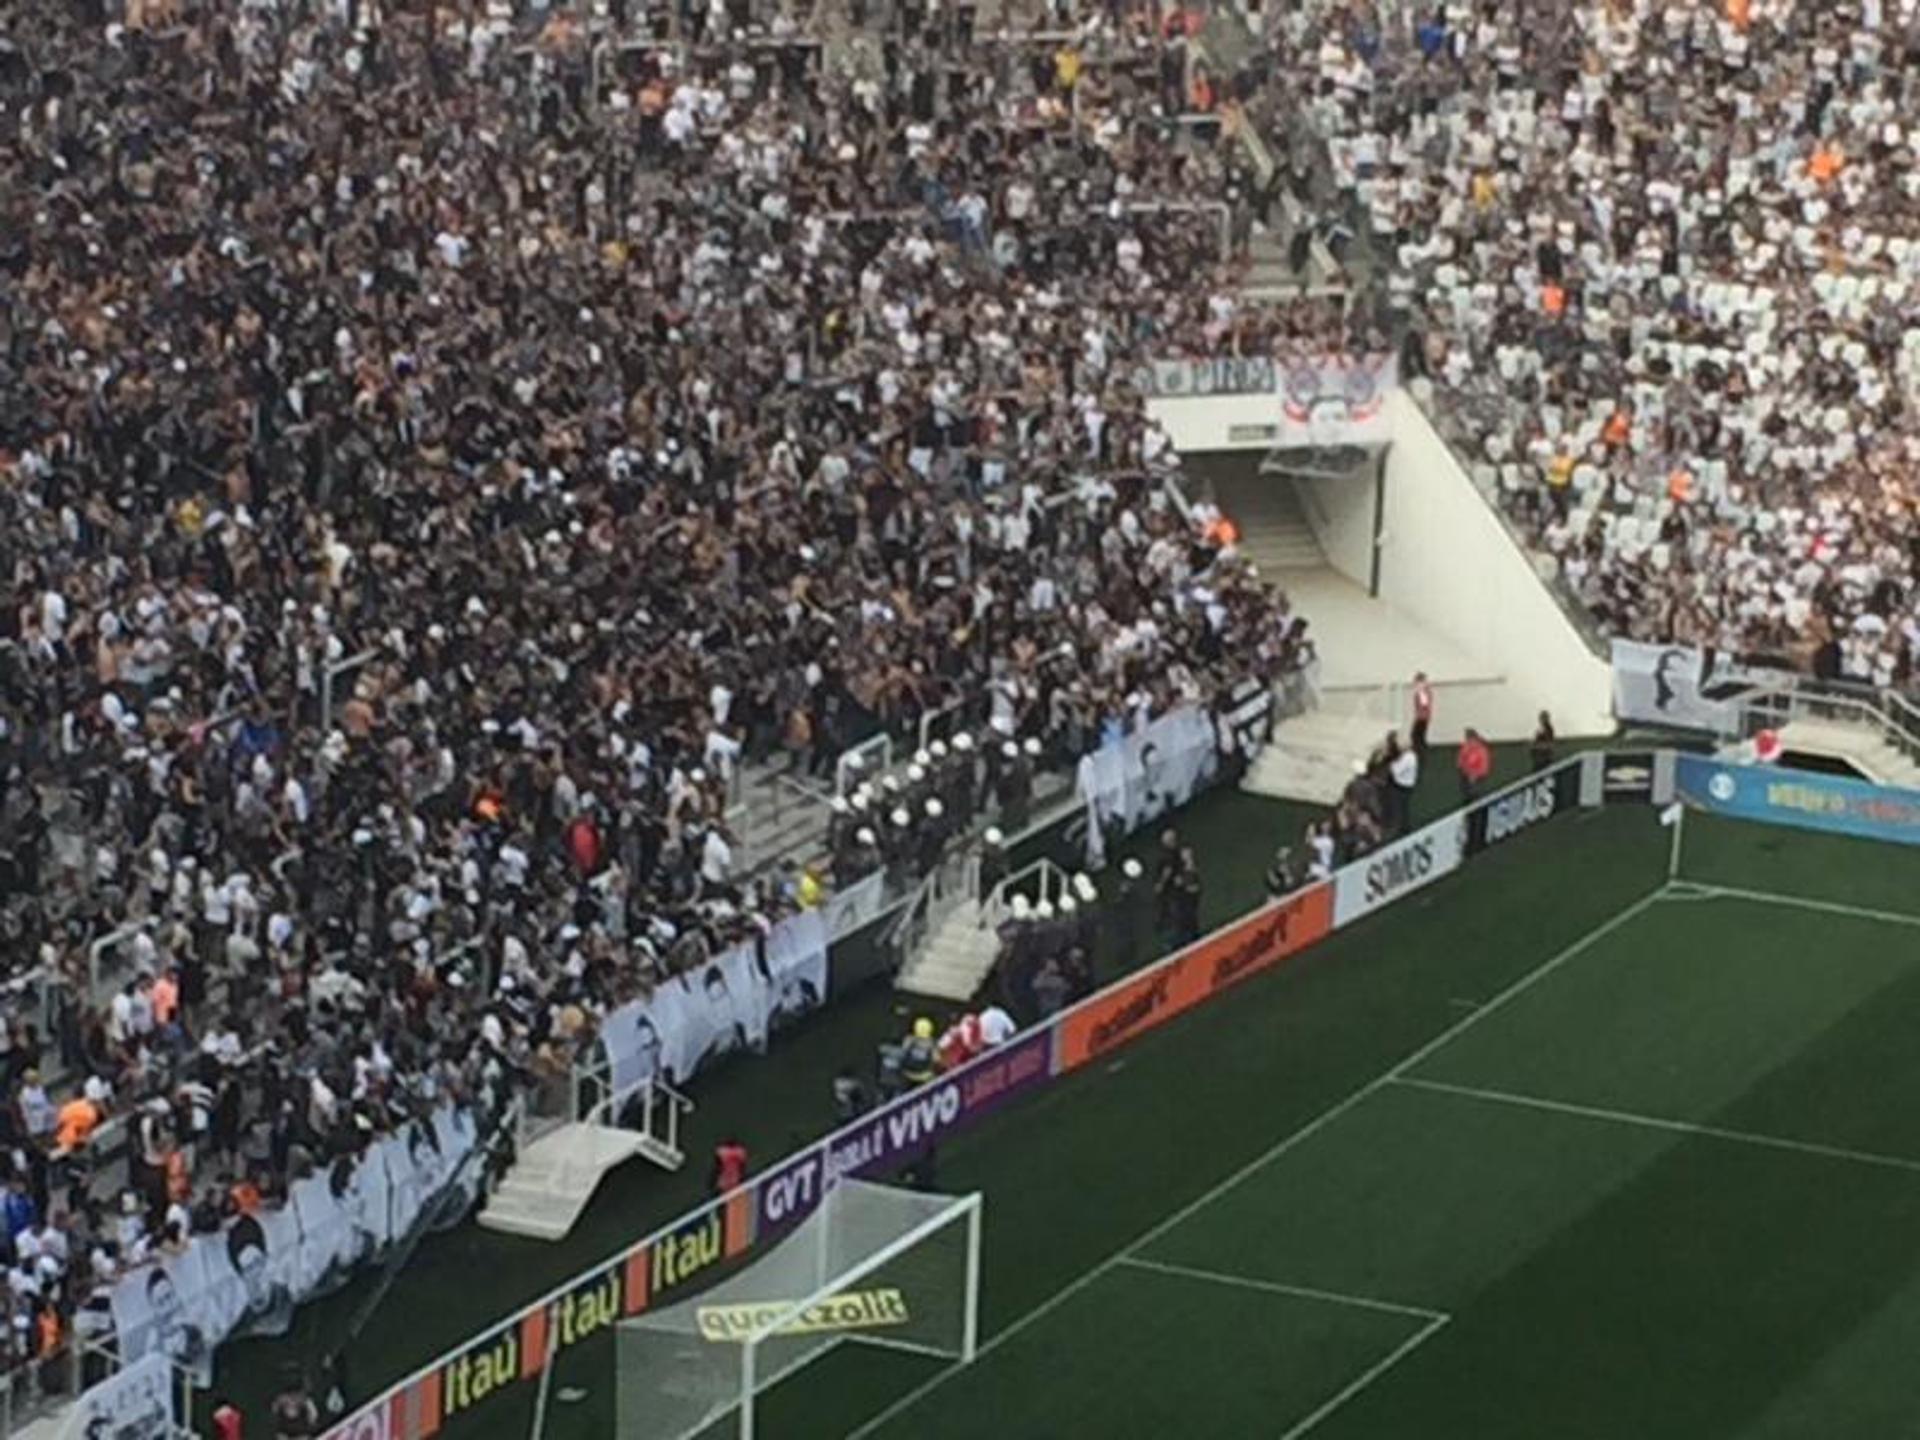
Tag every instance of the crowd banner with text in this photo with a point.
(771, 1203)
(1803, 798)
(1246, 724)
(1398, 869)
(1229, 375)
(1318, 398)
(1684, 688)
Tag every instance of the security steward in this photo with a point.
(920, 1054)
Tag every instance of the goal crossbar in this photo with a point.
(874, 1265)
(965, 1209)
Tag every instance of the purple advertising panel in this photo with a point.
(903, 1128)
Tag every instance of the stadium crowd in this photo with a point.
(439, 450)
(1661, 265)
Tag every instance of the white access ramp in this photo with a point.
(555, 1174)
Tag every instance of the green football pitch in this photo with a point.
(1564, 1145)
(1644, 1160)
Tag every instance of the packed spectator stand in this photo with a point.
(1658, 274)
(445, 447)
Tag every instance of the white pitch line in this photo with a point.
(1655, 1122)
(1367, 1376)
(1313, 1127)
(1275, 1287)
(1692, 890)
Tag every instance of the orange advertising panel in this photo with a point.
(1199, 972)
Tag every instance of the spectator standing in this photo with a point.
(1474, 762)
(1403, 775)
(1186, 898)
(1540, 751)
(1422, 712)
(729, 1166)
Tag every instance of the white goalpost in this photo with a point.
(872, 1266)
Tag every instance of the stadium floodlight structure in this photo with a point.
(872, 1266)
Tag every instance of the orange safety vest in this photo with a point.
(78, 1119)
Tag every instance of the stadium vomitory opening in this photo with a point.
(863, 718)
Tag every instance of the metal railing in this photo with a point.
(657, 1099)
(41, 1386)
(1887, 712)
(955, 881)
(1041, 881)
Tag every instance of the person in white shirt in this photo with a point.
(996, 1026)
(1403, 774)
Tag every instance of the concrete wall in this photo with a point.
(1341, 514)
(1448, 562)
(1219, 422)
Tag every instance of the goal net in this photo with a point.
(873, 1265)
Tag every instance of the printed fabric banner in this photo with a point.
(248, 1278)
(256, 1273)
(1336, 399)
(1398, 869)
(1317, 399)
(1133, 781)
(1684, 688)
(1197, 973)
(1229, 375)
(728, 1005)
(132, 1404)
(796, 971)
(1247, 723)
(1804, 798)
(170, 1309)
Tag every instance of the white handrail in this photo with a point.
(999, 905)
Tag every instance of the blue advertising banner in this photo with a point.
(1800, 797)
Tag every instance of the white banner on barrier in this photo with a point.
(1682, 687)
(1398, 869)
(247, 1278)
(134, 1402)
(730, 1003)
(1135, 780)
(858, 904)
(1229, 375)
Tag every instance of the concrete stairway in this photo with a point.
(1274, 531)
(956, 957)
(1859, 743)
(1311, 757)
(553, 1179)
(777, 815)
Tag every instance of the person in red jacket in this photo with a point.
(729, 1166)
(1474, 762)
